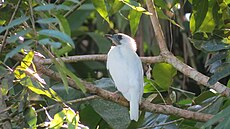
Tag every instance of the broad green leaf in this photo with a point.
(162, 4)
(63, 24)
(217, 57)
(204, 96)
(49, 7)
(101, 41)
(58, 120)
(14, 38)
(30, 117)
(27, 60)
(200, 9)
(81, 16)
(72, 119)
(49, 93)
(136, 6)
(102, 10)
(47, 41)
(221, 72)
(114, 114)
(17, 49)
(214, 45)
(222, 115)
(59, 35)
(134, 19)
(47, 21)
(150, 86)
(116, 6)
(4, 86)
(208, 23)
(14, 23)
(163, 74)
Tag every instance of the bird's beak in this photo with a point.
(112, 38)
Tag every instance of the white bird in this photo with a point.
(126, 70)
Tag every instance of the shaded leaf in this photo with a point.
(214, 45)
(14, 23)
(17, 49)
(101, 41)
(116, 6)
(115, 115)
(49, 7)
(217, 57)
(47, 21)
(63, 24)
(163, 74)
(14, 38)
(47, 41)
(221, 72)
(59, 35)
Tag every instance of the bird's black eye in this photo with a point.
(119, 37)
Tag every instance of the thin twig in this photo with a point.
(69, 102)
(7, 30)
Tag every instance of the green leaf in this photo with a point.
(101, 9)
(14, 38)
(63, 24)
(59, 35)
(214, 45)
(30, 116)
(101, 41)
(114, 114)
(14, 23)
(136, 6)
(116, 6)
(47, 21)
(17, 49)
(134, 19)
(47, 41)
(27, 60)
(222, 115)
(200, 9)
(49, 7)
(221, 72)
(217, 57)
(163, 74)
(58, 120)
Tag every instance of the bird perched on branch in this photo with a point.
(126, 70)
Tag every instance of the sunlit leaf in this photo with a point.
(30, 116)
(58, 120)
(27, 60)
(101, 9)
(200, 9)
(59, 35)
(134, 19)
(163, 74)
(17, 49)
(116, 6)
(136, 6)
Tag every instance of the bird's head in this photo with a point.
(123, 40)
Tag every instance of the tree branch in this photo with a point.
(98, 57)
(179, 65)
(145, 105)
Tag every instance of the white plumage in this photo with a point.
(126, 70)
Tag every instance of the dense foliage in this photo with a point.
(196, 31)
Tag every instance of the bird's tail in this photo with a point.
(134, 107)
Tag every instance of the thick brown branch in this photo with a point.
(145, 105)
(179, 65)
(157, 27)
(97, 57)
